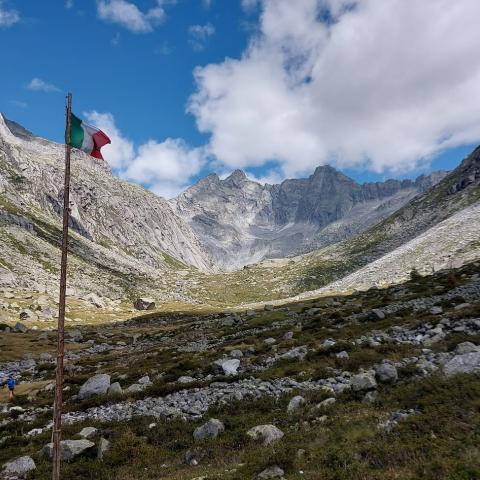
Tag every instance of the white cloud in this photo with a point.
(39, 85)
(69, 4)
(249, 5)
(128, 15)
(164, 167)
(199, 35)
(371, 84)
(8, 17)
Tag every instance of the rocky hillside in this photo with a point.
(121, 231)
(242, 222)
(382, 384)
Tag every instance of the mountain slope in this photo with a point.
(241, 221)
(117, 227)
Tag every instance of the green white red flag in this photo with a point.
(86, 137)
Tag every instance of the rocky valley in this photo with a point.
(315, 329)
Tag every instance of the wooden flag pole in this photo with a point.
(57, 423)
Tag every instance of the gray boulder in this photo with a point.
(88, 432)
(270, 472)
(226, 366)
(103, 446)
(144, 303)
(20, 328)
(96, 385)
(376, 314)
(386, 373)
(466, 347)
(114, 389)
(297, 353)
(363, 381)
(236, 353)
(19, 467)
(265, 434)
(295, 403)
(69, 449)
(466, 363)
(211, 429)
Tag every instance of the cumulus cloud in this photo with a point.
(39, 85)
(379, 85)
(165, 167)
(199, 35)
(128, 15)
(8, 17)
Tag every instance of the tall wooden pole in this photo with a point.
(57, 423)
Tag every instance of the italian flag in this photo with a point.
(86, 137)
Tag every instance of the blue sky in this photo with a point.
(278, 109)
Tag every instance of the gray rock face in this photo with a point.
(241, 221)
(119, 224)
(466, 363)
(265, 434)
(211, 429)
(19, 467)
(69, 449)
(96, 385)
(363, 381)
(467, 347)
(386, 373)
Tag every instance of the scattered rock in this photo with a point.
(95, 300)
(236, 353)
(88, 432)
(211, 429)
(363, 381)
(270, 472)
(69, 449)
(96, 385)
(295, 403)
(376, 314)
(114, 389)
(466, 363)
(185, 379)
(20, 327)
(266, 434)
(19, 467)
(466, 347)
(328, 402)
(103, 446)
(227, 366)
(342, 355)
(144, 304)
(386, 373)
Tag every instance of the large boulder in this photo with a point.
(466, 363)
(96, 385)
(103, 447)
(386, 373)
(363, 381)
(226, 366)
(144, 303)
(115, 389)
(265, 434)
(69, 449)
(211, 429)
(19, 467)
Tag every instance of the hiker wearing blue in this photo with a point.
(11, 384)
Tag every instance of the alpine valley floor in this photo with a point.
(378, 384)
